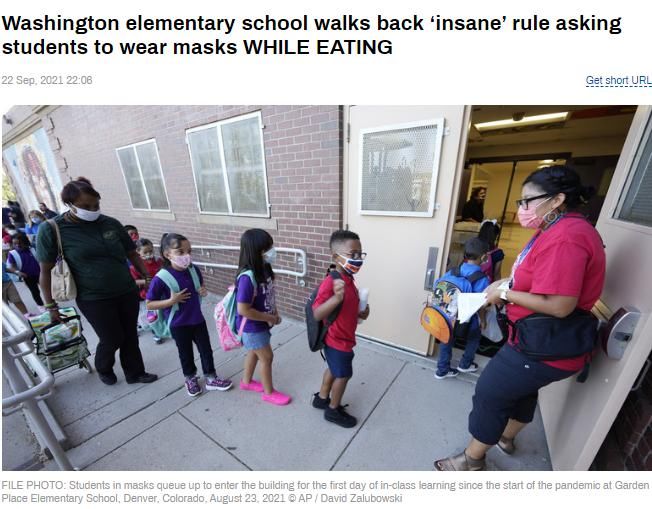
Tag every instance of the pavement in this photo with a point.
(406, 418)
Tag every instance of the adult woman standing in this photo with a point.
(474, 208)
(560, 270)
(95, 247)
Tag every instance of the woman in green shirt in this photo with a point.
(95, 247)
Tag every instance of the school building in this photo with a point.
(397, 175)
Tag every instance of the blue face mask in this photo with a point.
(36, 220)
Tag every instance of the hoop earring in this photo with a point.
(551, 216)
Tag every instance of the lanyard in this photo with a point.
(526, 249)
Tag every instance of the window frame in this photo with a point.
(140, 172)
(217, 125)
(623, 198)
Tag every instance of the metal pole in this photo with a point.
(31, 407)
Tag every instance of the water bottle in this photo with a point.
(363, 294)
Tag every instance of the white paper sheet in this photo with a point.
(468, 304)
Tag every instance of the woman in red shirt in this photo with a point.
(561, 269)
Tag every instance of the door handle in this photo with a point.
(641, 376)
(618, 331)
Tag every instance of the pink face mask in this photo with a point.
(528, 218)
(182, 261)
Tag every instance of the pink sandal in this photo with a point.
(254, 386)
(276, 398)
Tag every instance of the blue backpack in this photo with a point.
(161, 327)
(446, 290)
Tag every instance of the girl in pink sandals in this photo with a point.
(257, 308)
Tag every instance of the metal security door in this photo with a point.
(403, 166)
(577, 417)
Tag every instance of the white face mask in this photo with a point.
(85, 215)
(270, 256)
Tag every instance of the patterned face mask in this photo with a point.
(350, 265)
(182, 261)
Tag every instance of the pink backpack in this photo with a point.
(225, 315)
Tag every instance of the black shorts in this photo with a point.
(340, 363)
(508, 388)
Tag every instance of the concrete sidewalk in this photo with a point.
(406, 417)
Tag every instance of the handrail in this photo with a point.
(17, 350)
(302, 261)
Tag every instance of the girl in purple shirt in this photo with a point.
(188, 325)
(22, 262)
(256, 305)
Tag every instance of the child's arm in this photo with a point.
(175, 298)
(247, 311)
(323, 311)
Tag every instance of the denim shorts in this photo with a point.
(256, 340)
(339, 363)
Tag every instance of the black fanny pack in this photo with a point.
(545, 337)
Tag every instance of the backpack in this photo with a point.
(15, 256)
(439, 317)
(161, 327)
(225, 315)
(488, 266)
(317, 329)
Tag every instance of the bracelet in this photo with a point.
(51, 305)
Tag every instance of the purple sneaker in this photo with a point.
(192, 386)
(215, 383)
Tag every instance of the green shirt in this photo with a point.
(96, 253)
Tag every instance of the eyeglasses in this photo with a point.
(355, 255)
(525, 201)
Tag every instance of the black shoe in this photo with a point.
(108, 378)
(340, 417)
(145, 378)
(319, 402)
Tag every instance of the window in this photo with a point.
(228, 163)
(398, 169)
(141, 168)
(636, 202)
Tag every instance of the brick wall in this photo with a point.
(628, 445)
(303, 151)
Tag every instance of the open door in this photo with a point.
(577, 416)
(403, 168)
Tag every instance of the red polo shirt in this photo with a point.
(567, 259)
(341, 333)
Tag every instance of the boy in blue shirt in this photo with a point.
(475, 251)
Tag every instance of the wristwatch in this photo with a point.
(503, 295)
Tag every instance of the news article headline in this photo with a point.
(342, 35)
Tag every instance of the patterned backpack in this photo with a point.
(225, 315)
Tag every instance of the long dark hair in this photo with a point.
(170, 241)
(562, 179)
(489, 233)
(252, 244)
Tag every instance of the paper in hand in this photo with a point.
(468, 304)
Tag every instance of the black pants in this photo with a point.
(114, 321)
(508, 388)
(32, 284)
(184, 337)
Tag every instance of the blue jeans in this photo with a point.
(446, 352)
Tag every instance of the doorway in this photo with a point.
(500, 155)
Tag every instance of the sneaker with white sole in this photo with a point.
(192, 386)
(215, 383)
(451, 373)
(473, 367)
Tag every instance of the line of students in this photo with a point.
(256, 306)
